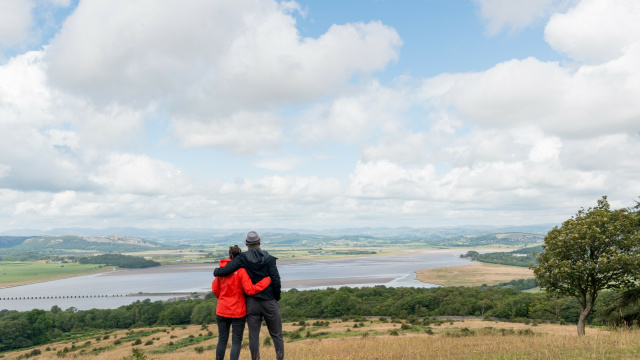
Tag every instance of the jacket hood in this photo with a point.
(224, 262)
(257, 256)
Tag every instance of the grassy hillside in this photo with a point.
(362, 339)
(61, 243)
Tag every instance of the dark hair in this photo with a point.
(234, 251)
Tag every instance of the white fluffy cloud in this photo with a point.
(15, 21)
(515, 15)
(241, 133)
(210, 65)
(595, 31)
(354, 116)
(587, 101)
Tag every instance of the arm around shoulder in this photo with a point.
(248, 286)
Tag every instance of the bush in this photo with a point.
(199, 349)
(35, 352)
(394, 332)
(267, 342)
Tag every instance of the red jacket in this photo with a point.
(230, 291)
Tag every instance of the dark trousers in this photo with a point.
(269, 310)
(224, 323)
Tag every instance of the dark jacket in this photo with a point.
(259, 264)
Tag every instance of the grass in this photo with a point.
(473, 275)
(19, 272)
(468, 339)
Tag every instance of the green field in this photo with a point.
(17, 273)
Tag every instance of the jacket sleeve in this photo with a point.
(215, 287)
(275, 279)
(248, 286)
(231, 267)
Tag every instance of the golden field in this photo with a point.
(473, 275)
(460, 339)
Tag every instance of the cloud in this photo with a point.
(279, 164)
(139, 174)
(575, 102)
(516, 15)
(355, 115)
(15, 21)
(50, 139)
(595, 31)
(241, 133)
(218, 68)
(204, 61)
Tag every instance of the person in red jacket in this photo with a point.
(231, 310)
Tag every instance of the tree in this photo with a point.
(596, 249)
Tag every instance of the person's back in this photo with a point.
(264, 305)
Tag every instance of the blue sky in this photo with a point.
(315, 114)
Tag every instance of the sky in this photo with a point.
(316, 114)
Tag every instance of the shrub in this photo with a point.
(199, 349)
(394, 332)
(149, 342)
(35, 352)
(267, 342)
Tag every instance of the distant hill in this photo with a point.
(11, 241)
(57, 243)
(472, 235)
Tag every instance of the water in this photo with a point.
(392, 270)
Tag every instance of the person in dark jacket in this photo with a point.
(264, 305)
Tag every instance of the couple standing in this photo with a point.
(255, 274)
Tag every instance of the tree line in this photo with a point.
(119, 260)
(35, 327)
(522, 257)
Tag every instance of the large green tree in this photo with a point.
(596, 249)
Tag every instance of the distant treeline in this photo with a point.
(520, 284)
(119, 260)
(30, 256)
(24, 329)
(522, 257)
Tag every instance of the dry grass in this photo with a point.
(473, 275)
(484, 341)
